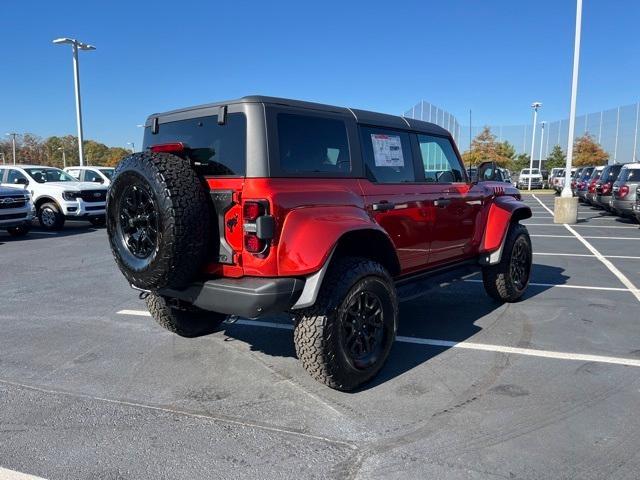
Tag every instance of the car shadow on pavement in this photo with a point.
(69, 229)
(450, 313)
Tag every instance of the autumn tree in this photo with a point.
(556, 159)
(485, 148)
(586, 151)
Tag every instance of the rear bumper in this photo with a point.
(624, 207)
(247, 297)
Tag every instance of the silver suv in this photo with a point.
(16, 211)
(625, 188)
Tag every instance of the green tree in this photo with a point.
(557, 158)
(586, 151)
(485, 148)
(519, 162)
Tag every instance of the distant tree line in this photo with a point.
(485, 147)
(32, 149)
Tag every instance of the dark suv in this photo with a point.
(604, 185)
(263, 205)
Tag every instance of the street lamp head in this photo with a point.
(84, 46)
(536, 105)
(58, 41)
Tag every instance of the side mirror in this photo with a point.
(487, 172)
(21, 181)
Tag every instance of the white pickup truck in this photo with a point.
(57, 195)
(533, 174)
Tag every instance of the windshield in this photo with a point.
(107, 172)
(43, 175)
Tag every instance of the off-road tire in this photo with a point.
(318, 329)
(19, 231)
(54, 218)
(183, 319)
(98, 221)
(498, 279)
(183, 216)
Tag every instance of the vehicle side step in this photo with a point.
(409, 289)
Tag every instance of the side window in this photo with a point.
(2, 175)
(312, 144)
(91, 176)
(75, 173)
(439, 160)
(387, 155)
(15, 176)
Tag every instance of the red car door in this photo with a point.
(398, 204)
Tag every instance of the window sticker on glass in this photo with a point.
(387, 150)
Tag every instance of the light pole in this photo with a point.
(64, 157)
(542, 124)
(13, 141)
(2, 153)
(77, 45)
(566, 207)
(535, 106)
(133, 146)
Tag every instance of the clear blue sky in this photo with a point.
(494, 57)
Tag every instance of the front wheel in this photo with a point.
(183, 319)
(345, 338)
(50, 217)
(507, 280)
(19, 231)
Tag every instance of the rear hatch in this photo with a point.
(217, 151)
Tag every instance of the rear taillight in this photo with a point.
(605, 188)
(259, 226)
(623, 191)
(168, 147)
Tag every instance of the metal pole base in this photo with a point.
(565, 210)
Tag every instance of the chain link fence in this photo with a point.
(616, 130)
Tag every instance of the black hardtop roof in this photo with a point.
(361, 116)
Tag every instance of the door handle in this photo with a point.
(383, 206)
(442, 202)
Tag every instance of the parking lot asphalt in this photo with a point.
(91, 387)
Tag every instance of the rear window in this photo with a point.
(214, 149)
(313, 145)
(630, 175)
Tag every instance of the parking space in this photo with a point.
(547, 387)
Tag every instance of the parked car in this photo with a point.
(57, 195)
(323, 220)
(574, 180)
(554, 175)
(533, 174)
(590, 196)
(16, 211)
(624, 190)
(604, 185)
(101, 175)
(582, 183)
(545, 178)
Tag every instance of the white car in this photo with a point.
(533, 174)
(16, 211)
(101, 175)
(57, 195)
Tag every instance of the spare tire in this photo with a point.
(158, 220)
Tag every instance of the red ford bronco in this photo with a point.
(263, 205)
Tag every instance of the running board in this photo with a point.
(411, 288)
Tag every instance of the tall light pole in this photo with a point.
(535, 106)
(2, 154)
(13, 141)
(77, 45)
(64, 157)
(542, 124)
(566, 207)
(133, 146)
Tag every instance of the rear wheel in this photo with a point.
(345, 338)
(507, 281)
(19, 231)
(50, 216)
(158, 220)
(181, 318)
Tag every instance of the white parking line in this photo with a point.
(6, 474)
(621, 276)
(560, 285)
(577, 226)
(565, 254)
(463, 345)
(609, 238)
(550, 236)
